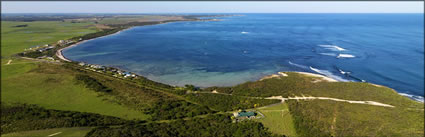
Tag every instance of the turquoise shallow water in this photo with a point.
(386, 49)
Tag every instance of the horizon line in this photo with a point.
(214, 13)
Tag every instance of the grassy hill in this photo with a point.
(54, 87)
(29, 81)
(46, 84)
(297, 84)
(331, 118)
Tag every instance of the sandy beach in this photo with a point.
(60, 55)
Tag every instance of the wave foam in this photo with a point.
(414, 97)
(244, 32)
(348, 74)
(328, 74)
(333, 47)
(344, 72)
(298, 65)
(345, 56)
(329, 54)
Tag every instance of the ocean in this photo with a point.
(385, 49)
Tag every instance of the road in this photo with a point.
(9, 62)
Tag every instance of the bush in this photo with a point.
(228, 102)
(32, 54)
(167, 109)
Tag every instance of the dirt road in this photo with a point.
(333, 99)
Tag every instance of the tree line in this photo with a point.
(211, 126)
(23, 117)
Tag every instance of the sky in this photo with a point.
(212, 7)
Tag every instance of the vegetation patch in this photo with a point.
(175, 110)
(23, 25)
(92, 83)
(211, 126)
(228, 102)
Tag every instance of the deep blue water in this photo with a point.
(386, 49)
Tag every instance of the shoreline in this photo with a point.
(60, 55)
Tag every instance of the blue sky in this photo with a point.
(212, 7)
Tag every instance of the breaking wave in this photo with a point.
(343, 72)
(298, 65)
(329, 74)
(414, 97)
(244, 32)
(348, 74)
(345, 56)
(333, 47)
(329, 54)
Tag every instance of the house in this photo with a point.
(61, 41)
(244, 114)
(97, 66)
(127, 74)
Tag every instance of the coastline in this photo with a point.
(59, 54)
(419, 99)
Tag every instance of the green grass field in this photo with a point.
(24, 82)
(16, 39)
(278, 119)
(60, 132)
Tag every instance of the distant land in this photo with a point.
(47, 93)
